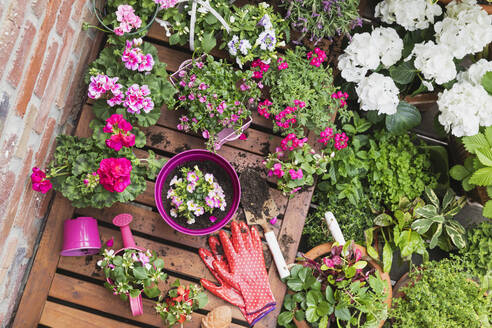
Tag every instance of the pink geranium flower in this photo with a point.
(115, 173)
(39, 181)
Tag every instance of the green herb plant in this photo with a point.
(477, 255)
(435, 221)
(110, 63)
(441, 294)
(397, 233)
(180, 302)
(477, 169)
(131, 272)
(339, 290)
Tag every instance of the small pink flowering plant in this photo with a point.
(215, 96)
(131, 272)
(194, 193)
(129, 81)
(295, 162)
(300, 92)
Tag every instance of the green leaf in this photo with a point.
(313, 298)
(435, 237)
(360, 264)
(208, 42)
(372, 252)
(488, 135)
(485, 156)
(323, 323)
(466, 184)
(473, 143)
(202, 299)
(300, 315)
(459, 172)
(311, 315)
(456, 236)
(295, 270)
(324, 309)
(403, 73)
(387, 257)
(422, 225)
(329, 295)
(174, 39)
(487, 209)
(285, 318)
(406, 117)
(487, 82)
(342, 313)
(426, 211)
(140, 273)
(383, 220)
(482, 177)
(289, 303)
(134, 293)
(152, 292)
(432, 197)
(303, 273)
(295, 284)
(159, 263)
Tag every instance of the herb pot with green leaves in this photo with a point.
(337, 286)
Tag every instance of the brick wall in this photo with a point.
(44, 54)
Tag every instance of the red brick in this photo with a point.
(11, 249)
(62, 94)
(22, 54)
(48, 67)
(7, 182)
(77, 10)
(35, 63)
(11, 28)
(45, 142)
(39, 7)
(21, 189)
(64, 16)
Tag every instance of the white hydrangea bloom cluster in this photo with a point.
(465, 29)
(411, 14)
(378, 92)
(467, 105)
(367, 51)
(434, 61)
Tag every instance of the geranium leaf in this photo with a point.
(403, 73)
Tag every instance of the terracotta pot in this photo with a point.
(324, 249)
(487, 8)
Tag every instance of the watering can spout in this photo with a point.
(123, 221)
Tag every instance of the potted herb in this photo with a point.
(216, 98)
(130, 81)
(300, 92)
(476, 255)
(336, 286)
(197, 192)
(256, 32)
(321, 19)
(180, 302)
(440, 294)
(101, 170)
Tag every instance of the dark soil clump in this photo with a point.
(254, 192)
(222, 178)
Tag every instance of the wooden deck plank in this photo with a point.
(96, 297)
(60, 316)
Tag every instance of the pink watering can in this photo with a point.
(123, 221)
(80, 237)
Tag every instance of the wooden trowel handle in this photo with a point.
(278, 257)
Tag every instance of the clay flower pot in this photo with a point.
(323, 249)
(193, 156)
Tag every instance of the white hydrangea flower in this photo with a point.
(435, 61)
(411, 14)
(367, 51)
(378, 92)
(466, 28)
(475, 72)
(389, 44)
(464, 108)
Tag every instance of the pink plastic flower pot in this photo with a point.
(123, 221)
(189, 156)
(226, 134)
(80, 237)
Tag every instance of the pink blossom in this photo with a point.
(202, 86)
(341, 141)
(205, 134)
(212, 218)
(115, 173)
(165, 4)
(127, 18)
(277, 170)
(182, 98)
(135, 99)
(182, 83)
(295, 174)
(244, 87)
(199, 65)
(295, 190)
(273, 220)
(202, 99)
(243, 137)
(257, 75)
(191, 96)
(110, 242)
(193, 78)
(39, 181)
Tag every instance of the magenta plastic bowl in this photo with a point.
(197, 155)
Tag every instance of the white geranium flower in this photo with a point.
(466, 28)
(411, 14)
(475, 72)
(389, 45)
(378, 92)
(435, 61)
(464, 108)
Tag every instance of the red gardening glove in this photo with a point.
(246, 271)
(225, 291)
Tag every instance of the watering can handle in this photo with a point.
(123, 221)
(136, 305)
(335, 230)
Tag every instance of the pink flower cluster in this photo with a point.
(285, 118)
(343, 96)
(295, 174)
(136, 99)
(127, 18)
(100, 84)
(277, 170)
(134, 59)
(120, 132)
(115, 173)
(183, 124)
(326, 136)
(165, 4)
(39, 181)
(263, 108)
(341, 141)
(282, 64)
(317, 58)
(263, 67)
(291, 142)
